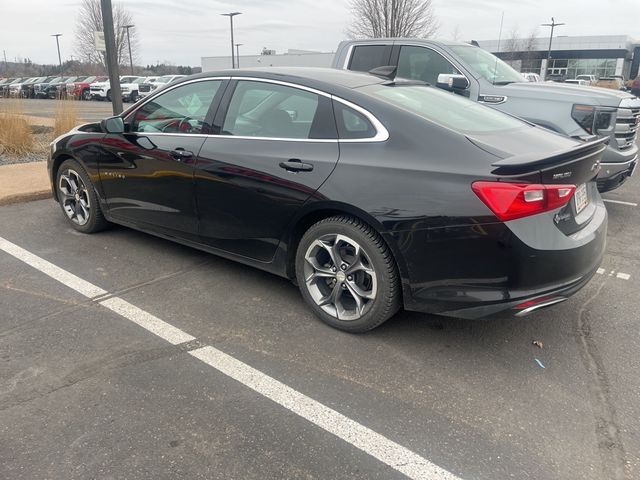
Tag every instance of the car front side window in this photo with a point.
(268, 110)
(419, 63)
(180, 110)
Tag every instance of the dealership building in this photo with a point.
(293, 58)
(601, 55)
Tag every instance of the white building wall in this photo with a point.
(210, 64)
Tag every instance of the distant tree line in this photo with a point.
(26, 68)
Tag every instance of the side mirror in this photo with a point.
(452, 83)
(112, 125)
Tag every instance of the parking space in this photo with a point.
(87, 393)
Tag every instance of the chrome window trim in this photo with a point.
(382, 134)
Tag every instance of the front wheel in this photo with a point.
(347, 274)
(78, 198)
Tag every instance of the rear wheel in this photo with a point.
(347, 274)
(78, 198)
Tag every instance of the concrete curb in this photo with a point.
(25, 197)
(24, 182)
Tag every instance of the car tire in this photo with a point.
(78, 198)
(86, 95)
(364, 290)
(108, 95)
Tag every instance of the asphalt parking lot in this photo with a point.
(93, 387)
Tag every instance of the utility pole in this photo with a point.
(127, 27)
(111, 56)
(231, 15)
(238, 45)
(58, 35)
(553, 25)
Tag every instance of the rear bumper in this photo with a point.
(485, 270)
(618, 174)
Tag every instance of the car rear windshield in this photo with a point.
(487, 65)
(444, 108)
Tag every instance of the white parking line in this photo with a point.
(620, 275)
(378, 446)
(147, 321)
(631, 204)
(69, 279)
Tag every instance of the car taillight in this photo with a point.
(509, 201)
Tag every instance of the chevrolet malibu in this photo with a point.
(370, 193)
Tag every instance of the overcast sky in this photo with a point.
(182, 31)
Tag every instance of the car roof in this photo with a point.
(449, 43)
(306, 76)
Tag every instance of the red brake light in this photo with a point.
(509, 201)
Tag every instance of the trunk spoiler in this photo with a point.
(531, 161)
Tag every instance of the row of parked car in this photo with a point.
(614, 82)
(81, 87)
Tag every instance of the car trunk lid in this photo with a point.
(577, 166)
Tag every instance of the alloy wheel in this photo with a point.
(340, 277)
(75, 197)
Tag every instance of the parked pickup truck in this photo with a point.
(580, 112)
(102, 90)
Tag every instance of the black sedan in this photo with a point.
(371, 194)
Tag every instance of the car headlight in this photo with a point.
(594, 120)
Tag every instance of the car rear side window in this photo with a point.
(180, 110)
(368, 57)
(420, 63)
(352, 124)
(269, 110)
(444, 108)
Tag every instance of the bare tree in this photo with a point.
(392, 18)
(455, 33)
(90, 21)
(512, 47)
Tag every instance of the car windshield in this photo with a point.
(487, 65)
(56, 80)
(164, 79)
(89, 79)
(138, 80)
(444, 108)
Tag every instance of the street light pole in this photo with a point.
(111, 56)
(553, 25)
(58, 35)
(238, 45)
(127, 27)
(231, 15)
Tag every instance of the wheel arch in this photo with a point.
(319, 211)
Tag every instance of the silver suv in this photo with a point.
(575, 111)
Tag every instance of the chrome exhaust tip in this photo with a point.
(537, 306)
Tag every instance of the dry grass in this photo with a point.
(16, 137)
(66, 117)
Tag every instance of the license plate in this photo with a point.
(581, 198)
